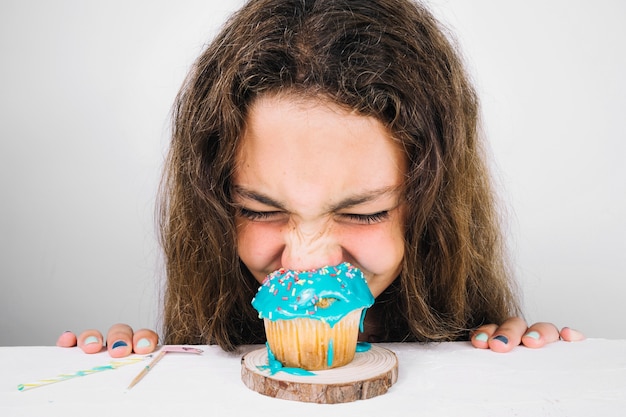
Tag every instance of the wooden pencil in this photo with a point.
(147, 369)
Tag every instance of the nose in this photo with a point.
(310, 247)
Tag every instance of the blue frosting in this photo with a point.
(363, 346)
(275, 366)
(326, 294)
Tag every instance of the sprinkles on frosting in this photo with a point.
(326, 294)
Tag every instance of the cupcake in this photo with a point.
(312, 318)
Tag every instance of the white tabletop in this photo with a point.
(452, 379)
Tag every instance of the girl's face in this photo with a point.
(317, 185)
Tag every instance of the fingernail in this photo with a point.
(91, 339)
(502, 339)
(143, 343)
(118, 344)
(533, 335)
(573, 335)
(481, 337)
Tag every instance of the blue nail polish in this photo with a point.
(143, 343)
(533, 335)
(91, 339)
(481, 337)
(119, 343)
(502, 339)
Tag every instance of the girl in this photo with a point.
(312, 132)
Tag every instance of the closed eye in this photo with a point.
(365, 218)
(259, 215)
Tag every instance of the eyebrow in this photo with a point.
(350, 201)
(259, 197)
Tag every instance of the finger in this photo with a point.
(539, 334)
(571, 335)
(67, 339)
(508, 335)
(90, 341)
(120, 340)
(480, 337)
(145, 341)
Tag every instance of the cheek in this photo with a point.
(259, 248)
(378, 252)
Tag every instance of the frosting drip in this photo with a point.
(274, 366)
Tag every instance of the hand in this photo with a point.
(121, 341)
(515, 331)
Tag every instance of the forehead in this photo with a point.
(294, 145)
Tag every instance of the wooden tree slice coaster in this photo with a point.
(370, 374)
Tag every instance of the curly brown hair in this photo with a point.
(389, 59)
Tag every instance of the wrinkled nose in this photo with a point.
(310, 247)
